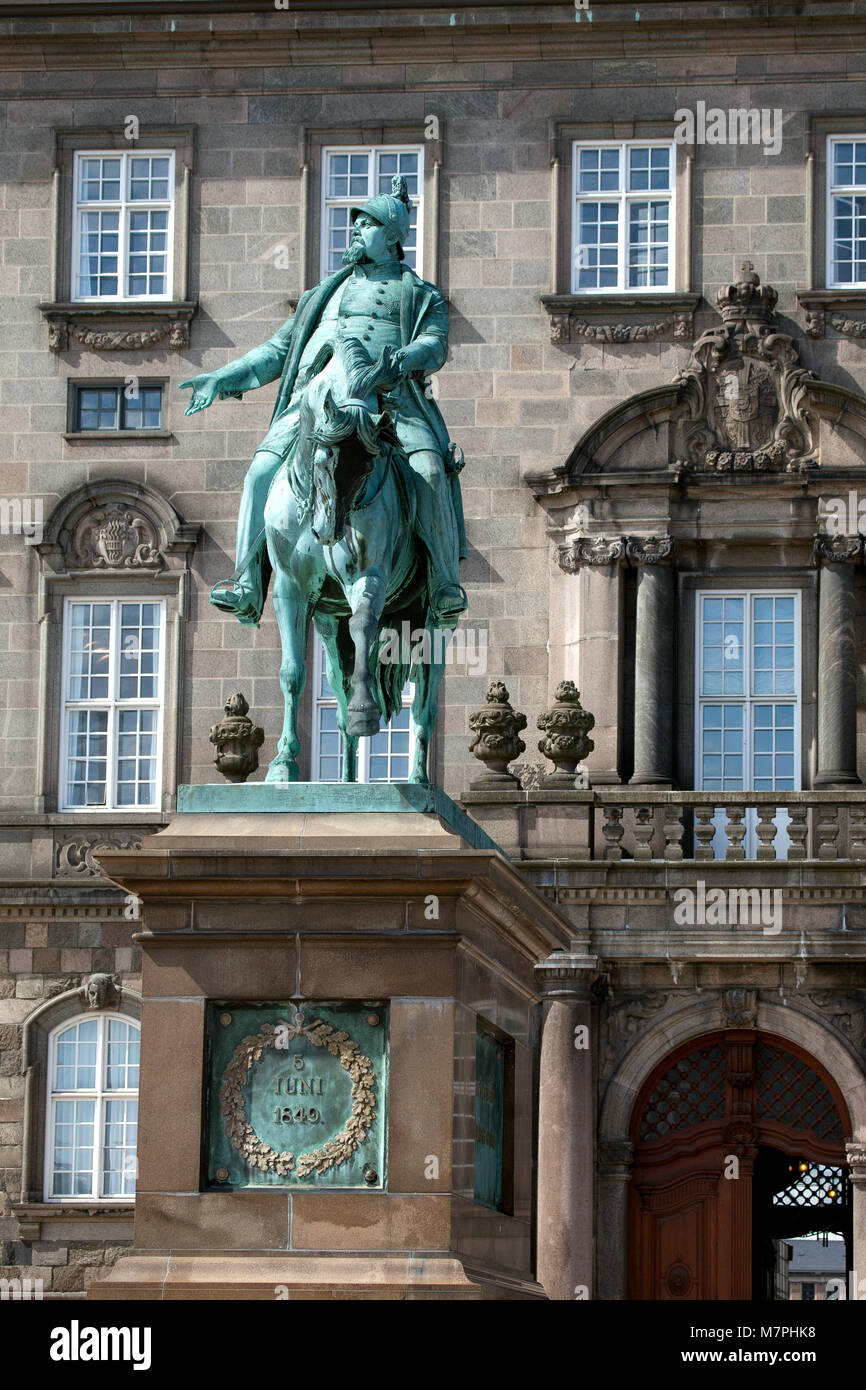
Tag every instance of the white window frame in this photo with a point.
(100, 1094)
(123, 206)
(364, 744)
(833, 191)
(747, 699)
(623, 198)
(352, 201)
(112, 703)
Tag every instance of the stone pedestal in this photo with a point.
(408, 917)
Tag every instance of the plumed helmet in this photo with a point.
(391, 210)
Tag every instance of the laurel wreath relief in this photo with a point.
(337, 1150)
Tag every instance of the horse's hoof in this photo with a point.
(282, 772)
(362, 722)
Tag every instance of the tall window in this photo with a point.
(846, 210)
(386, 757)
(92, 1109)
(112, 704)
(349, 178)
(623, 229)
(121, 245)
(748, 730)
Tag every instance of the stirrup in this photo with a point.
(231, 597)
(448, 604)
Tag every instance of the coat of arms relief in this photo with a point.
(745, 391)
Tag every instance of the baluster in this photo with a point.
(643, 832)
(705, 831)
(735, 831)
(798, 830)
(613, 831)
(827, 831)
(674, 831)
(857, 831)
(766, 831)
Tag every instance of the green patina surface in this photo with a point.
(490, 1059)
(296, 1094)
(310, 798)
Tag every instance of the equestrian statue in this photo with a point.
(352, 501)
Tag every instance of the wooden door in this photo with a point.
(698, 1123)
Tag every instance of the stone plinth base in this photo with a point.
(343, 909)
(229, 1274)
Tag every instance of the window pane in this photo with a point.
(119, 1148)
(136, 757)
(98, 254)
(72, 1164)
(597, 248)
(122, 1056)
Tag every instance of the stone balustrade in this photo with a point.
(623, 825)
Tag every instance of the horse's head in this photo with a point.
(345, 443)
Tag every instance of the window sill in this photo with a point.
(135, 436)
(118, 327)
(823, 310)
(592, 316)
(31, 1215)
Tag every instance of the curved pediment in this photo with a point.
(115, 524)
(743, 405)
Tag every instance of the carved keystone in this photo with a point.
(236, 741)
(565, 743)
(497, 743)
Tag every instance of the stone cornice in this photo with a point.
(247, 33)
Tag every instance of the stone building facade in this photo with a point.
(646, 227)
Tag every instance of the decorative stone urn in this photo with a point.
(236, 741)
(496, 742)
(565, 743)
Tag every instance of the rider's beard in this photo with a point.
(356, 253)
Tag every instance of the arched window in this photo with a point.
(92, 1122)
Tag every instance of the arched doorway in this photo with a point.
(739, 1144)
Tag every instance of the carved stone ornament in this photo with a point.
(236, 741)
(815, 323)
(855, 1155)
(574, 317)
(101, 992)
(337, 1150)
(76, 858)
(590, 550)
(630, 332)
(566, 743)
(838, 550)
(113, 537)
(739, 1007)
(118, 328)
(497, 743)
(649, 550)
(851, 328)
(626, 1021)
(744, 391)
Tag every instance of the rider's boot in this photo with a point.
(435, 522)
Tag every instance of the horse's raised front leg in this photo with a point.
(326, 626)
(428, 676)
(366, 599)
(292, 612)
